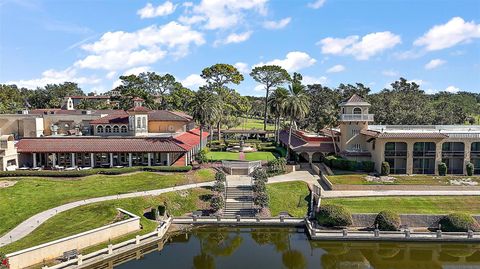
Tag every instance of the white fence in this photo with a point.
(54, 249)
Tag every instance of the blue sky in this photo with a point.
(93, 42)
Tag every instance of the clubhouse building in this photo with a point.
(70, 139)
(409, 149)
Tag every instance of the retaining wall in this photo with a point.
(54, 249)
(410, 220)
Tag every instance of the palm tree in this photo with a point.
(277, 104)
(205, 107)
(297, 107)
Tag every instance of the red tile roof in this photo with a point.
(111, 119)
(139, 109)
(190, 139)
(298, 144)
(165, 115)
(432, 135)
(97, 145)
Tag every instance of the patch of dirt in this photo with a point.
(6, 184)
(380, 179)
(463, 182)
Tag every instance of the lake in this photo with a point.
(266, 248)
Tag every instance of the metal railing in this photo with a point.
(356, 117)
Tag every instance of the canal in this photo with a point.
(266, 248)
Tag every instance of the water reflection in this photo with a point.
(287, 248)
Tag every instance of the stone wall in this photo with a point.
(410, 220)
(54, 249)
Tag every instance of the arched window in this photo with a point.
(123, 129)
(116, 129)
(99, 129)
(357, 110)
(108, 129)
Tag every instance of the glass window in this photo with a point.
(116, 129)
(357, 110)
(475, 146)
(100, 129)
(123, 129)
(108, 129)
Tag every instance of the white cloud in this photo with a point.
(193, 81)
(120, 50)
(447, 35)
(52, 76)
(191, 19)
(223, 14)
(111, 74)
(242, 67)
(259, 88)
(409, 54)
(309, 80)
(452, 89)
(434, 64)
(418, 81)
(274, 25)
(294, 61)
(136, 70)
(234, 38)
(316, 4)
(362, 49)
(336, 68)
(149, 11)
(390, 73)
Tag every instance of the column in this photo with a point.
(168, 159)
(92, 160)
(111, 159)
(129, 159)
(149, 156)
(54, 159)
(409, 158)
(438, 156)
(310, 156)
(72, 159)
(468, 147)
(34, 160)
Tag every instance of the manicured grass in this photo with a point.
(223, 156)
(410, 205)
(250, 124)
(292, 197)
(352, 178)
(33, 195)
(259, 156)
(92, 216)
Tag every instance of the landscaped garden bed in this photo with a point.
(30, 196)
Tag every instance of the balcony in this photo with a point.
(356, 117)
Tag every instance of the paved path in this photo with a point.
(335, 194)
(33, 222)
(294, 176)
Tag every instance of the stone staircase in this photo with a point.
(239, 197)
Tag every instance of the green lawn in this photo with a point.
(352, 178)
(250, 124)
(92, 216)
(292, 197)
(410, 205)
(33, 195)
(259, 156)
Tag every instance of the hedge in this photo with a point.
(459, 222)
(350, 165)
(102, 171)
(385, 169)
(334, 216)
(387, 221)
(442, 169)
(470, 169)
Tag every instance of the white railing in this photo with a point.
(356, 117)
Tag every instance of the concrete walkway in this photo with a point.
(294, 176)
(339, 194)
(33, 222)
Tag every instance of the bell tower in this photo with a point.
(353, 119)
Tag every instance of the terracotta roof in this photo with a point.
(413, 135)
(322, 147)
(295, 140)
(355, 99)
(50, 111)
(369, 133)
(328, 132)
(165, 115)
(298, 144)
(111, 119)
(97, 145)
(190, 139)
(139, 109)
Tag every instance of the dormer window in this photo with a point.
(357, 110)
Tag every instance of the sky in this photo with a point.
(435, 43)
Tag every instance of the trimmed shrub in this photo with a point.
(162, 209)
(217, 202)
(334, 216)
(385, 170)
(470, 169)
(442, 169)
(277, 166)
(202, 155)
(220, 176)
(218, 186)
(345, 164)
(260, 174)
(368, 166)
(459, 222)
(154, 214)
(259, 186)
(387, 221)
(261, 199)
(328, 160)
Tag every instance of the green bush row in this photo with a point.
(459, 222)
(350, 165)
(102, 171)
